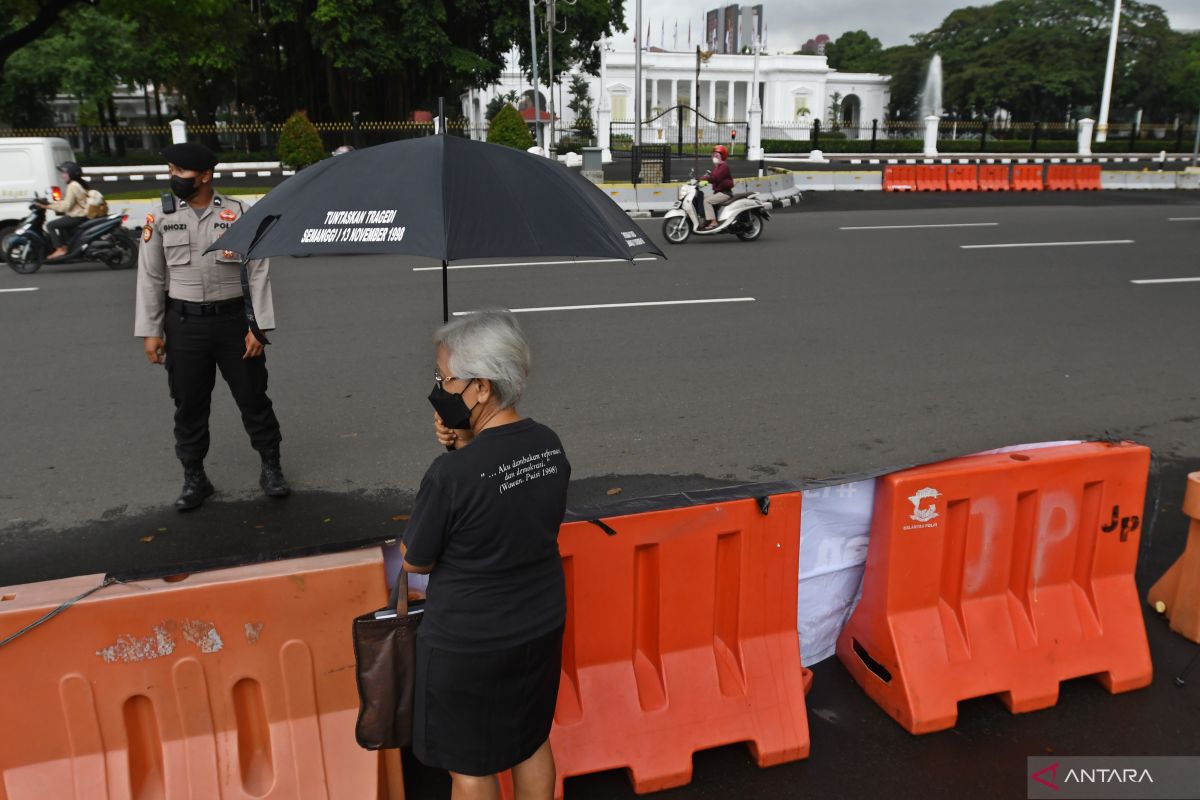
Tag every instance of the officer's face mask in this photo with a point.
(451, 407)
(183, 188)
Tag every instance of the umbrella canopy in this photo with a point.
(442, 197)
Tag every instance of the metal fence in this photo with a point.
(683, 129)
(970, 136)
(260, 140)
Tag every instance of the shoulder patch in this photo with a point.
(228, 214)
(147, 232)
(149, 219)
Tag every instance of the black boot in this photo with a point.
(271, 479)
(196, 487)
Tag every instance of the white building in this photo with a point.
(794, 91)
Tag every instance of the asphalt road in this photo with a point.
(863, 348)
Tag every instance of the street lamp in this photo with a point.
(551, 24)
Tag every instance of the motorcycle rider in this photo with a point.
(72, 209)
(721, 181)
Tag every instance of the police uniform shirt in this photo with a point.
(172, 262)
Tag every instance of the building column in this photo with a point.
(653, 97)
(729, 116)
(674, 92)
(712, 99)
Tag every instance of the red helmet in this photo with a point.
(720, 150)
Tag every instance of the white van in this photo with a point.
(29, 167)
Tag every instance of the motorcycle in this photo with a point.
(101, 239)
(743, 215)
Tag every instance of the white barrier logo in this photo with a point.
(929, 512)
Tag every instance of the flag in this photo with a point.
(766, 30)
(647, 33)
(675, 38)
(689, 34)
(662, 32)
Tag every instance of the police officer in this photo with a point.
(197, 301)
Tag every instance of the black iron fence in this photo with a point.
(244, 142)
(684, 130)
(907, 136)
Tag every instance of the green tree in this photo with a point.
(508, 128)
(299, 142)
(1044, 59)
(581, 105)
(854, 51)
(24, 22)
(498, 102)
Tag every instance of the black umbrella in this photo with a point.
(442, 197)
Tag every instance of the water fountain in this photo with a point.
(929, 102)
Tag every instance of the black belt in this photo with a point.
(232, 306)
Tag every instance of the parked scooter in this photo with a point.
(101, 239)
(743, 216)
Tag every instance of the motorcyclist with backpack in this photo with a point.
(72, 209)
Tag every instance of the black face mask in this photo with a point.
(451, 408)
(183, 187)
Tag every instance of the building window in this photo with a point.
(620, 107)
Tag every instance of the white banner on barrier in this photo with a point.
(835, 527)
(835, 522)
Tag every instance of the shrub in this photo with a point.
(509, 129)
(299, 142)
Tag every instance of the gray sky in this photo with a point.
(792, 22)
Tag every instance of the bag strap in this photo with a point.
(399, 598)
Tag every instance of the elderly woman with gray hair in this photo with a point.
(485, 528)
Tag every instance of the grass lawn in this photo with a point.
(153, 194)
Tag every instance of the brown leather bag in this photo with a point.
(385, 658)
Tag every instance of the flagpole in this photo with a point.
(537, 110)
(1106, 95)
(637, 79)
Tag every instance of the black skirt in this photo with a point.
(483, 713)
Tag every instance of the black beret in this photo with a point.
(190, 155)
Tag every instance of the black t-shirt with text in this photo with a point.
(487, 519)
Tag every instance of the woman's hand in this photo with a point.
(448, 437)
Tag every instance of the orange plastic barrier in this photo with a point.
(1177, 593)
(232, 684)
(1027, 178)
(1087, 177)
(931, 178)
(1001, 574)
(993, 178)
(963, 178)
(1060, 177)
(899, 179)
(681, 636)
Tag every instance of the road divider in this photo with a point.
(1003, 575)
(237, 683)
(1177, 593)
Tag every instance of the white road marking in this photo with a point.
(137, 177)
(1183, 219)
(1044, 244)
(534, 264)
(22, 289)
(898, 227)
(623, 305)
(239, 174)
(1167, 280)
(265, 173)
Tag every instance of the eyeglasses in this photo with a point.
(440, 379)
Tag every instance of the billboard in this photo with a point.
(730, 42)
(712, 24)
